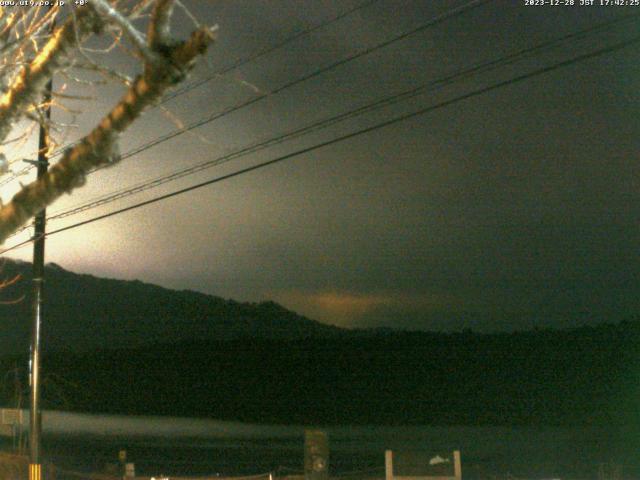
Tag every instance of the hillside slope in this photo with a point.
(83, 312)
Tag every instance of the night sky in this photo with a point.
(513, 209)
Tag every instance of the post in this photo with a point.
(388, 464)
(316, 455)
(457, 467)
(35, 420)
(122, 458)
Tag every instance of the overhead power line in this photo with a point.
(261, 53)
(438, 19)
(378, 126)
(451, 13)
(458, 75)
(296, 133)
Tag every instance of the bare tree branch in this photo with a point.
(111, 15)
(99, 148)
(32, 78)
(159, 33)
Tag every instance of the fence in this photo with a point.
(418, 466)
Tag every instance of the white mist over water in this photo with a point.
(57, 422)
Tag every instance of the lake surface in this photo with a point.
(175, 446)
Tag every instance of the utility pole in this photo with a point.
(35, 420)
